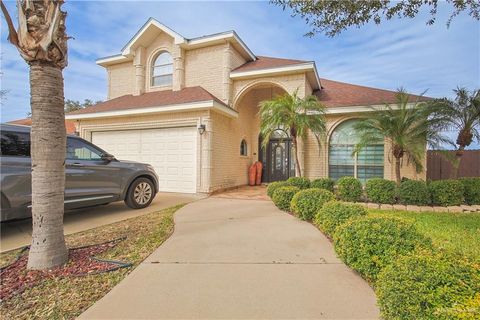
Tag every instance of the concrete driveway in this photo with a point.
(16, 234)
(241, 259)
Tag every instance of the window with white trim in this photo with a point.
(162, 70)
(364, 165)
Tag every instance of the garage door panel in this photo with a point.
(172, 152)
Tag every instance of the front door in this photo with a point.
(279, 162)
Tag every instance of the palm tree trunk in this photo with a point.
(398, 176)
(297, 163)
(458, 158)
(48, 247)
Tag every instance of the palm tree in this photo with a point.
(408, 127)
(463, 115)
(295, 115)
(42, 42)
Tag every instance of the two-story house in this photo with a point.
(190, 108)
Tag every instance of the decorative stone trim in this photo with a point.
(457, 209)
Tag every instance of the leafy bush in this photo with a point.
(446, 192)
(414, 192)
(426, 285)
(381, 190)
(306, 203)
(300, 182)
(272, 186)
(471, 190)
(323, 183)
(349, 189)
(335, 213)
(368, 244)
(283, 196)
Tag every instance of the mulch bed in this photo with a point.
(15, 278)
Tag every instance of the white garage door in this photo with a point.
(171, 151)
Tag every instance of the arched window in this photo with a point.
(366, 164)
(243, 148)
(162, 70)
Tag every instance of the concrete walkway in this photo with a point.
(16, 234)
(239, 259)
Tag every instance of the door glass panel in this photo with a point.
(79, 150)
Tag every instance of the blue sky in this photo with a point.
(397, 53)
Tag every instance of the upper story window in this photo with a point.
(162, 70)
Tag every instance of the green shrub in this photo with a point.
(446, 192)
(283, 196)
(368, 244)
(272, 186)
(349, 189)
(426, 285)
(335, 213)
(306, 203)
(299, 182)
(323, 183)
(381, 190)
(414, 192)
(471, 188)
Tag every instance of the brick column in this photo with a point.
(227, 67)
(139, 64)
(206, 156)
(179, 68)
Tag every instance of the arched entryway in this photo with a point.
(277, 157)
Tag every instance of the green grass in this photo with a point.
(457, 233)
(66, 298)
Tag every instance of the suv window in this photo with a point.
(79, 150)
(15, 144)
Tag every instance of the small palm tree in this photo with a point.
(295, 115)
(41, 40)
(408, 127)
(463, 115)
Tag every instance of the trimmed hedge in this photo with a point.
(446, 192)
(306, 203)
(471, 188)
(380, 190)
(426, 285)
(349, 189)
(300, 182)
(335, 213)
(414, 192)
(369, 244)
(272, 186)
(283, 196)
(323, 183)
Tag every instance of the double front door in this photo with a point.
(279, 160)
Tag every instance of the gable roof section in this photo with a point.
(263, 62)
(341, 94)
(69, 125)
(192, 98)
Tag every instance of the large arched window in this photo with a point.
(162, 70)
(366, 164)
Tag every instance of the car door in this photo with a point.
(89, 179)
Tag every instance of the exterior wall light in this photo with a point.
(201, 129)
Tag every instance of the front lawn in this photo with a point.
(453, 232)
(66, 298)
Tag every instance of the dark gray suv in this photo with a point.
(93, 176)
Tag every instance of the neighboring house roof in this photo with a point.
(156, 101)
(266, 63)
(341, 94)
(70, 125)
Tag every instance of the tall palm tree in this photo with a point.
(463, 115)
(42, 42)
(295, 115)
(408, 127)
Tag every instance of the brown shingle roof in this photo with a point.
(152, 99)
(70, 125)
(341, 94)
(267, 62)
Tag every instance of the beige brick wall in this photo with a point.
(121, 79)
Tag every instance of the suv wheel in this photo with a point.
(140, 194)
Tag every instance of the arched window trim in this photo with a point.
(243, 148)
(167, 75)
(367, 164)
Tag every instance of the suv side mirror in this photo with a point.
(107, 157)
